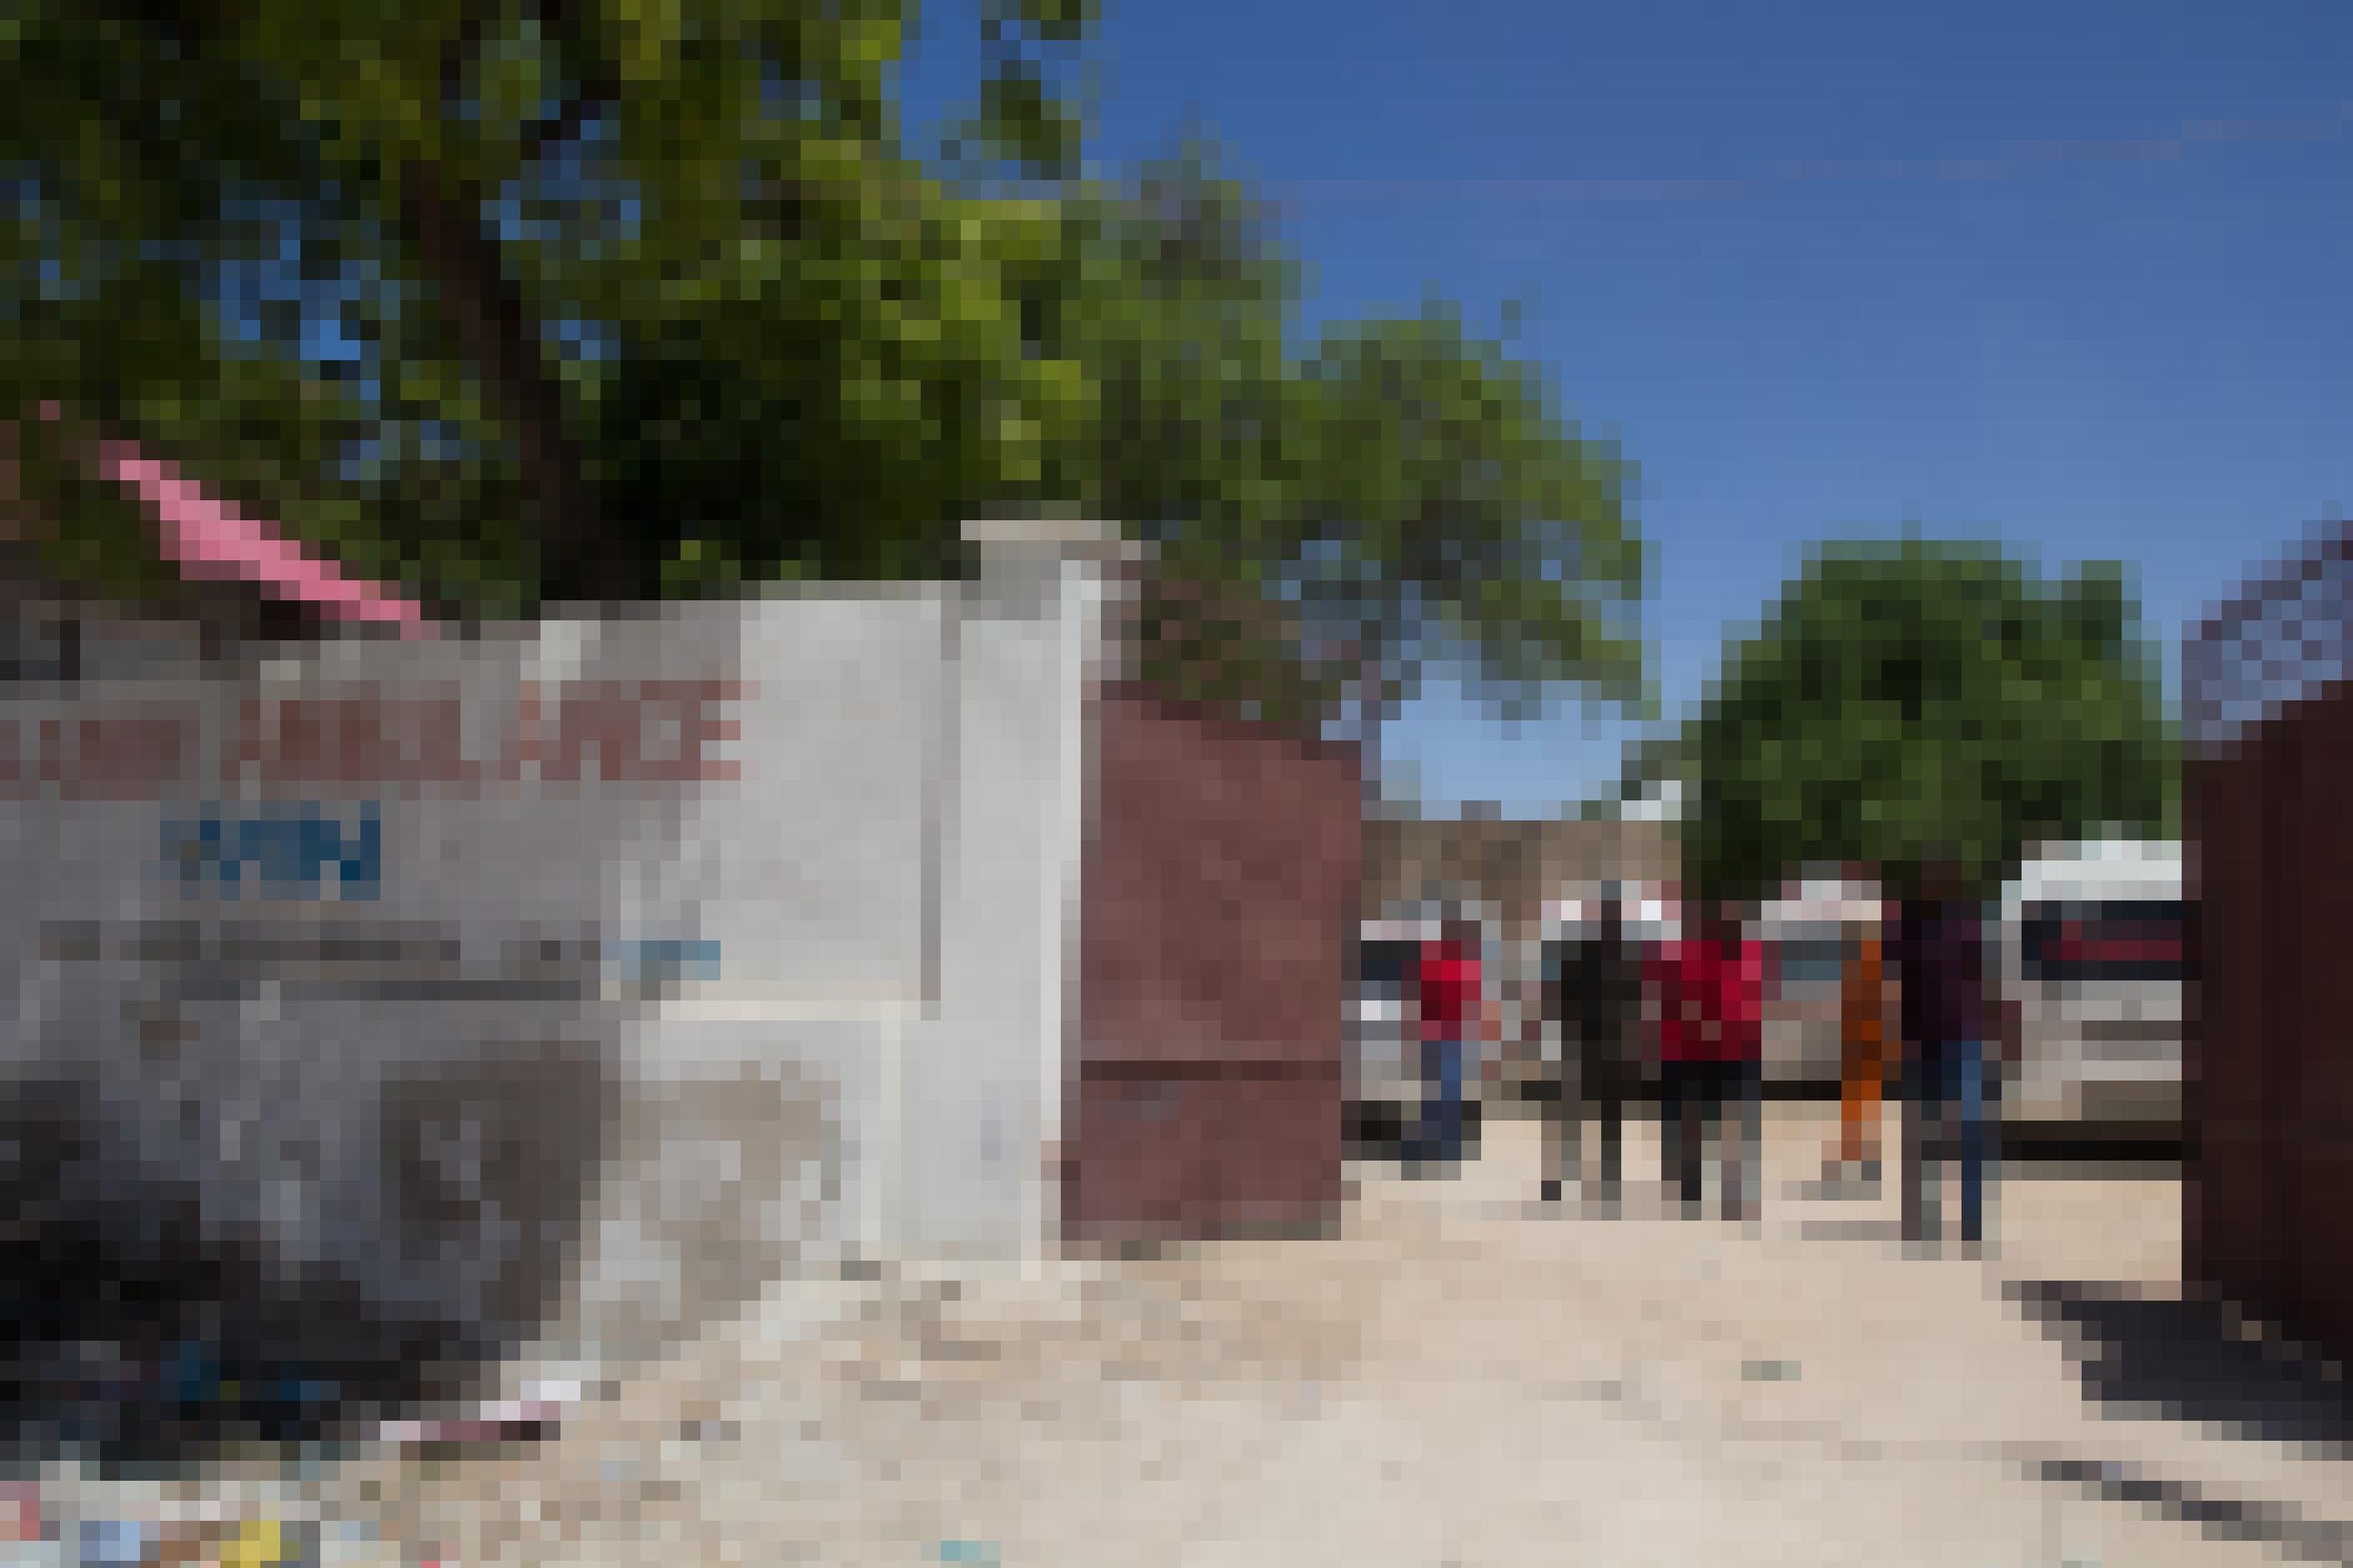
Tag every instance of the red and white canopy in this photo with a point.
(212, 540)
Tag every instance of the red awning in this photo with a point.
(213, 541)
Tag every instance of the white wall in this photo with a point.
(866, 1061)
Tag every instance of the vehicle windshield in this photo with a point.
(1811, 958)
(2112, 942)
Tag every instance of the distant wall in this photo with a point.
(1516, 866)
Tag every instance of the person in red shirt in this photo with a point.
(1711, 989)
(1449, 999)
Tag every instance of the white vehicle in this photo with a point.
(1387, 1088)
(2093, 948)
(1385, 1093)
(1809, 936)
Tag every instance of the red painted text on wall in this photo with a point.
(588, 732)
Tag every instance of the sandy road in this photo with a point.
(1457, 1378)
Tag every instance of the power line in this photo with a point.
(2019, 158)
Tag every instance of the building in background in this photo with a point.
(1513, 866)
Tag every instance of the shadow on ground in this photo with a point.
(1381, 1133)
(1887, 1232)
(134, 1335)
(2151, 1356)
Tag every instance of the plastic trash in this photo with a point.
(353, 1541)
(20, 1512)
(500, 1421)
(272, 1543)
(257, 1544)
(113, 1543)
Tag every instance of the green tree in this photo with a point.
(1917, 700)
(1455, 520)
(632, 298)
(1330, 517)
(625, 285)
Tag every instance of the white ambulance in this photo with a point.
(2095, 951)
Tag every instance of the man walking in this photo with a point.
(1449, 998)
(1711, 989)
(1950, 1003)
(1594, 995)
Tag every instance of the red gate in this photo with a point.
(1219, 895)
(2269, 1069)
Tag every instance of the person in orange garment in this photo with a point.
(1864, 1041)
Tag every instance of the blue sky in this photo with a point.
(2067, 273)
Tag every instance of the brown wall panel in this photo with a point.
(2267, 1052)
(1220, 893)
(2316, 1147)
(1219, 890)
(1166, 1155)
(2229, 1243)
(2270, 1065)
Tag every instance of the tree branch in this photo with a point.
(498, 334)
(460, 48)
(600, 87)
(570, 120)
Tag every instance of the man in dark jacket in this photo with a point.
(1594, 995)
(1958, 1032)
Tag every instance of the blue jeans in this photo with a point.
(1440, 1134)
(1948, 1105)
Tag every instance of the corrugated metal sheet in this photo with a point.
(2269, 1080)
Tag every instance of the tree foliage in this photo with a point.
(518, 300)
(1915, 700)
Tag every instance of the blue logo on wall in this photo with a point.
(277, 852)
(647, 962)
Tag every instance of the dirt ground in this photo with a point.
(1459, 1377)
